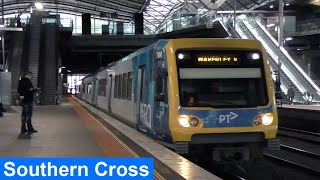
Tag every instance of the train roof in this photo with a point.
(159, 43)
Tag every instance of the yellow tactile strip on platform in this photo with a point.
(108, 142)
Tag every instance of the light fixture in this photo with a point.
(180, 56)
(255, 56)
(184, 121)
(267, 119)
(271, 6)
(288, 38)
(194, 122)
(271, 25)
(287, 4)
(38, 5)
(299, 49)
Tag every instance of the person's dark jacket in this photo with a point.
(25, 89)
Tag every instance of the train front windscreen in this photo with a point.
(221, 79)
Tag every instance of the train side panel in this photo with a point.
(122, 104)
(102, 99)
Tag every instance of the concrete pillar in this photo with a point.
(86, 24)
(138, 21)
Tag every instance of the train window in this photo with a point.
(124, 86)
(101, 87)
(116, 86)
(129, 86)
(120, 86)
(104, 87)
(99, 84)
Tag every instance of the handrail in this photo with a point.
(285, 52)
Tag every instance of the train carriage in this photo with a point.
(194, 95)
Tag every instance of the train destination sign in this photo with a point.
(221, 59)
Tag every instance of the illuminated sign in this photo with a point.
(223, 59)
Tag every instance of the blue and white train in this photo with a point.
(198, 96)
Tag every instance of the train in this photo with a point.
(196, 96)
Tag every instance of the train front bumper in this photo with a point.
(184, 138)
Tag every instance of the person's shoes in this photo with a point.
(23, 132)
(32, 131)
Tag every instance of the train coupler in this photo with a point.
(230, 155)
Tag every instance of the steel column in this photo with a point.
(280, 34)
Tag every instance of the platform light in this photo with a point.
(184, 121)
(38, 5)
(267, 119)
(255, 56)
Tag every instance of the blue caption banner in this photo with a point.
(76, 168)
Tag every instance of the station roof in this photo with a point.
(156, 12)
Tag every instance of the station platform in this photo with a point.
(315, 107)
(75, 129)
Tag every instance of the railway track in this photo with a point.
(299, 149)
(292, 163)
(299, 134)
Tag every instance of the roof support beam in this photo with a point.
(211, 5)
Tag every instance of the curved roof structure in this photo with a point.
(122, 10)
(156, 12)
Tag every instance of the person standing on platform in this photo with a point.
(291, 94)
(26, 91)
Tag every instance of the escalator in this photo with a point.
(292, 73)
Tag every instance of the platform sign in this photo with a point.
(76, 168)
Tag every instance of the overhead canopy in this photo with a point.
(121, 10)
(156, 12)
(159, 11)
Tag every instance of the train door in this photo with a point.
(110, 81)
(161, 114)
(144, 109)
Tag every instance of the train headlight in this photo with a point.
(180, 56)
(194, 122)
(257, 120)
(255, 56)
(184, 121)
(267, 119)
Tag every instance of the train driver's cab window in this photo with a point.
(219, 86)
